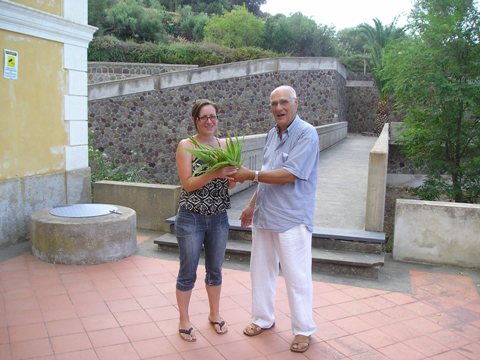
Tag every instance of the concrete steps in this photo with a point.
(335, 251)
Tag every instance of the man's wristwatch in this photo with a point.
(255, 178)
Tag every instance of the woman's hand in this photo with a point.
(225, 172)
(231, 183)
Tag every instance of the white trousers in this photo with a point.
(292, 252)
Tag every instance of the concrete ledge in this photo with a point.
(247, 68)
(437, 232)
(86, 240)
(377, 182)
(360, 83)
(121, 87)
(152, 202)
(330, 134)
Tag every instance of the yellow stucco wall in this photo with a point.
(54, 7)
(32, 129)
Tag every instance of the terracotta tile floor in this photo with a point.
(127, 310)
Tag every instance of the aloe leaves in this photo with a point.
(213, 158)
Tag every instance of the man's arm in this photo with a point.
(275, 177)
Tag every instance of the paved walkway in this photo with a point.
(127, 309)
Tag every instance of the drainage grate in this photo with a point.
(84, 210)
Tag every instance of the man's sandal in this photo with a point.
(254, 330)
(187, 334)
(220, 327)
(300, 343)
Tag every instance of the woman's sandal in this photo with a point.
(187, 334)
(300, 343)
(254, 330)
(220, 327)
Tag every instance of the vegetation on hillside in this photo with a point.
(213, 32)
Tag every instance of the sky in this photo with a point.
(343, 13)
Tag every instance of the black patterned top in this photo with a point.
(210, 199)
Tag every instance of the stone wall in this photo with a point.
(361, 106)
(397, 161)
(362, 97)
(145, 128)
(399, 164)
(109, 71)
(141, 123)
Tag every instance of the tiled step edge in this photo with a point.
(318, 255)
(370, 237)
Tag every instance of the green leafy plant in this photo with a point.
(103, 168)
(212, 158)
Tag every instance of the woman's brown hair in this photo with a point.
(198, 104)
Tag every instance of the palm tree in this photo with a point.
(377, 39)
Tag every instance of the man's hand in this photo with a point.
(246, 216)
(243, 173)
(225, 172)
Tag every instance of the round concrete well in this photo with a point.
(84, 240)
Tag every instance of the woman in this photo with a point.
(202, 220)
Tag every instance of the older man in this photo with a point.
(282, 211)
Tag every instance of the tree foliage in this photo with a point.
(234, 29)
(97, 13)
(350, 48)
(218, 7)
(190, 26)
(298, 35)
(252, 6)
(139, 20)
(435, 78)
(377, 37)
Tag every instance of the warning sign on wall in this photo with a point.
(10, 68)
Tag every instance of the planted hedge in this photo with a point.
(109, 48)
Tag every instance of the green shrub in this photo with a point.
(103, 168)
(250, 52)
(141, 53)
(108, 48)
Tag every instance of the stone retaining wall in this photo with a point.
(361, 104)
(397, 161)
(145, 127)
(108, 71)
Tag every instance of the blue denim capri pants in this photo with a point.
(194, 231)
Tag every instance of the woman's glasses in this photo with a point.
(204, 118)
